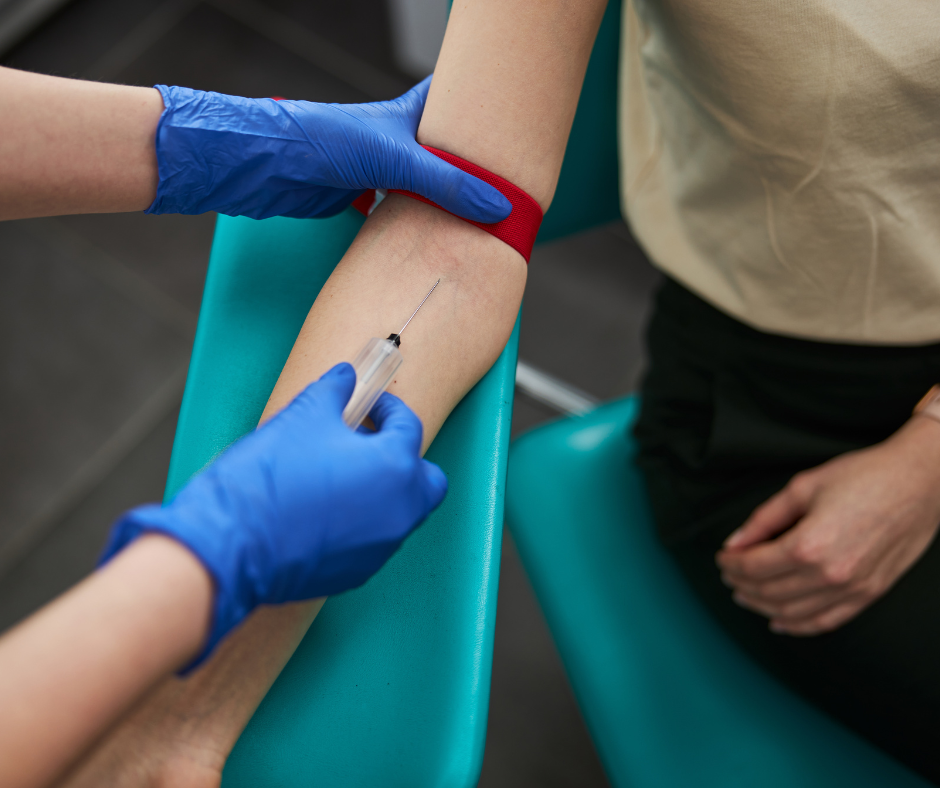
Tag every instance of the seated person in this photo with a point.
(781, 164)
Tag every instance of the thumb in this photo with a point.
(455, 190)
(419, 93)
(775, 515)
(332, 391)
(411, 104)
(435, 483)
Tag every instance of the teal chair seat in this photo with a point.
(669, 699)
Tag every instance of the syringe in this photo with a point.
(376, 365)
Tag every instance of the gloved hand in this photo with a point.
(261, 157)
(303, 507)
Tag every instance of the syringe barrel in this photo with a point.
(375, 365)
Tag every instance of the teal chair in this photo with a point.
(390, 687)
(670, 701)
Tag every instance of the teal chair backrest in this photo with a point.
(670, 700)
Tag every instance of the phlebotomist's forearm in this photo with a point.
(71, 670)
(70, 146)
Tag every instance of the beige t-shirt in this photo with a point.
(781, 158)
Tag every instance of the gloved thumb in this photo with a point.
(332, 391)
(413, 101)
(455, 190)
(435, 483)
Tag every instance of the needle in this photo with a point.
(396, 338)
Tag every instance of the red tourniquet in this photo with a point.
(365, 202)
(518, 229)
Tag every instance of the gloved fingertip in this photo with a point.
(337, 385)
(340, 371)
(494, 206)
(422, 88)
(435, 483)
(412, 102)
(476, 200)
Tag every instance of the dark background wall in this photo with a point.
(97, 316)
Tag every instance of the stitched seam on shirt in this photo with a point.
(870, 282)
(774, 242)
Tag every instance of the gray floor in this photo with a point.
(97, 315)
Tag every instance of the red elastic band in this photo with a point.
(365, 202)
(518, 229)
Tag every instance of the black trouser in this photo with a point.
(729, 414)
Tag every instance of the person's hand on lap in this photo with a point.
(837, 537)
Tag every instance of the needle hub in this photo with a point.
(396, 338)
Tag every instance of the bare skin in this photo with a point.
(504, 94)
(68, 146)
(839, 536)
(124, 627)
(198, 737)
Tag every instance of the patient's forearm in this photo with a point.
(403, 249)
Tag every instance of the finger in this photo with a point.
(419, 92)
(431, 177)
(394, 420)
(774, 516)
(826, 621)
(435, 484)
(761, 562)
(455, 190)
(410, 104)
(756, 605)
(795, 609)
(332, 391)
(778, 589)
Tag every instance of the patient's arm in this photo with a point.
(504, 94)
(453, 340)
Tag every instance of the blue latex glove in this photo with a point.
(303, 507)
(261, 158)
